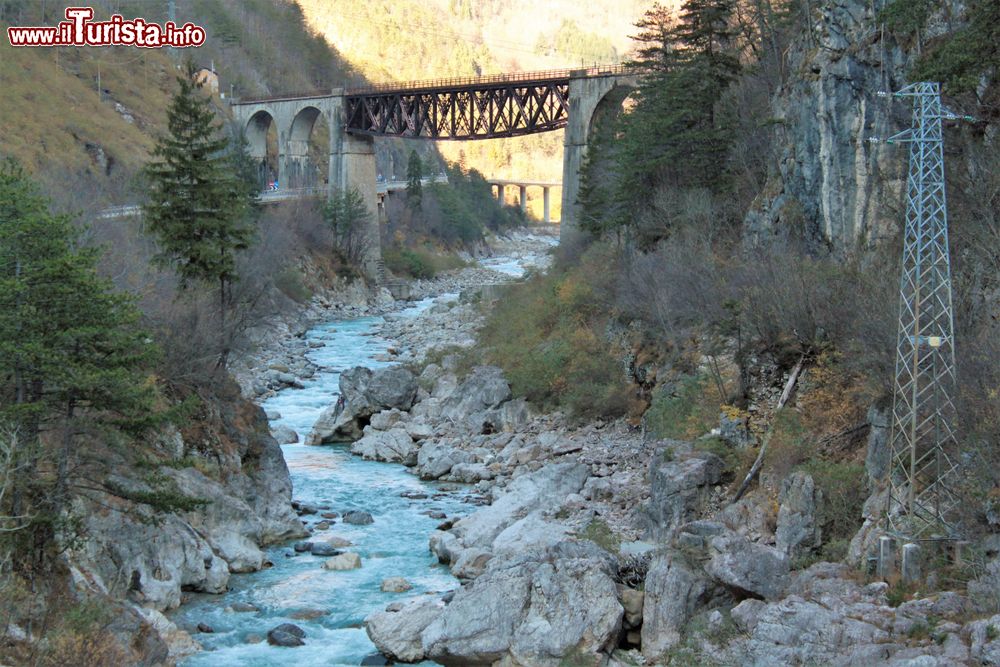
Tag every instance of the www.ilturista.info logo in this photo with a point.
(79, 30)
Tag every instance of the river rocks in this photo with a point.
(436, 459)
(358, 518)
(469, 473)
(395, 585)
(345, 561)
(386, 419)
(394, 445)
(533, 611)
(324, 549)
(445, 546)
(363, 392)
(336, 542)
(679, 486)
(484, 389)
(284, 435)
(286, 634)
(530, 532)
(632, 602)
(397, 634)
(797, 530)
(206, 628)
(755, 569)
(244, 607)
(302, 547)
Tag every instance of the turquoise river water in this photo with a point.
(394, 545)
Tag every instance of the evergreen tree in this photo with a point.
(672, 136)
(72, 357)
(199, 207)
(414, 174)
(348, 217)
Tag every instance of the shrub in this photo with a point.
(844, 492)
(290, 283)
(548, 336)
(685, 410)
(420, 262)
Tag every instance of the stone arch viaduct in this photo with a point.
(439, 110)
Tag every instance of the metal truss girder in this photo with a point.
(486, 112)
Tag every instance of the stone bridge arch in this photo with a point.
(592, 100)
(256, 125)
(302, 169)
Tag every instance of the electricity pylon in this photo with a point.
(923, 467)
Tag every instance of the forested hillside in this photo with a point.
(100, 110)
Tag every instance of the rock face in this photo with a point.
(537, 611)
(678, 488)
(397, 634)
(797, 531)
(247, 507)
(828, 183)
(675, 591)
(755, 569)
(363, 392)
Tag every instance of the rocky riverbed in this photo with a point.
(572, 544)
(278, 355)
(557, 568)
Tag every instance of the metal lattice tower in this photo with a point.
(923, 474)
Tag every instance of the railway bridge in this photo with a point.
(469, 109)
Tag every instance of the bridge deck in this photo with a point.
(452, 84)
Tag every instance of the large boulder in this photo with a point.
(533, 531)
(675, 592)
(798, 532)
(436, 459)
(679, 487)
(363, 392)
(544, 489)
(754, 569)
(394, 446)
(396, 634)
(484, 389)
(534, 609)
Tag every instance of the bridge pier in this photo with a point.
(356, 171)
(590, 98)
(546, 218)
(524, 198)
(500, 193)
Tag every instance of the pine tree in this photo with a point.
(72, 357)
(414, 174)
(349, 218)
(199, 208)
(672, 135)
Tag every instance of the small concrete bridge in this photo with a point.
(502, 184)
(467, 109)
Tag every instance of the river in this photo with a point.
(297, 587)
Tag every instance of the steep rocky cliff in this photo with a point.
(829, 185)
(135, 561)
